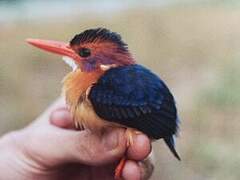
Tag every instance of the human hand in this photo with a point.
(49, 150)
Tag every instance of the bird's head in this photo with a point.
(90, 50)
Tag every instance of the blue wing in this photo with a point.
(135, 97)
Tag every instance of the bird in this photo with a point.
(108, 88)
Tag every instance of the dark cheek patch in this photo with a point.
(107, 58)
(89, 65)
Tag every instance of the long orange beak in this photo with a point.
(56, 47)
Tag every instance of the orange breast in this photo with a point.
(77, 82)
(75, 86)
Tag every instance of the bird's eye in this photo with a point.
(84, 52)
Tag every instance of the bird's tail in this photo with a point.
(171, 144)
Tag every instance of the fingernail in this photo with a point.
(112, 138)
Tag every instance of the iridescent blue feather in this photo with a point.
(135, 97)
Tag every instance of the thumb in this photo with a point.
(87, 147)
(92, 149)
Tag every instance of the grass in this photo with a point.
(194, 49)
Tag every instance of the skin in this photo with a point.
(51, 149)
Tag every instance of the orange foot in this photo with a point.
(129, 135)
(119, 169)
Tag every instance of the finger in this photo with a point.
(62, 118)
(131, 171)
(140, 148)
(91, 149)
(147, 167)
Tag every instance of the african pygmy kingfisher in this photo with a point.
(106, 88)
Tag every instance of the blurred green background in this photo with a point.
(193, 45)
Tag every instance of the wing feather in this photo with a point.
(135, 97)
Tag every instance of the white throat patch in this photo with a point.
(69, 61)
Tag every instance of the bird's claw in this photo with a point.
(119, 169)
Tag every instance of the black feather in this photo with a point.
(171, 144)
(100, 35)
(135, 97)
